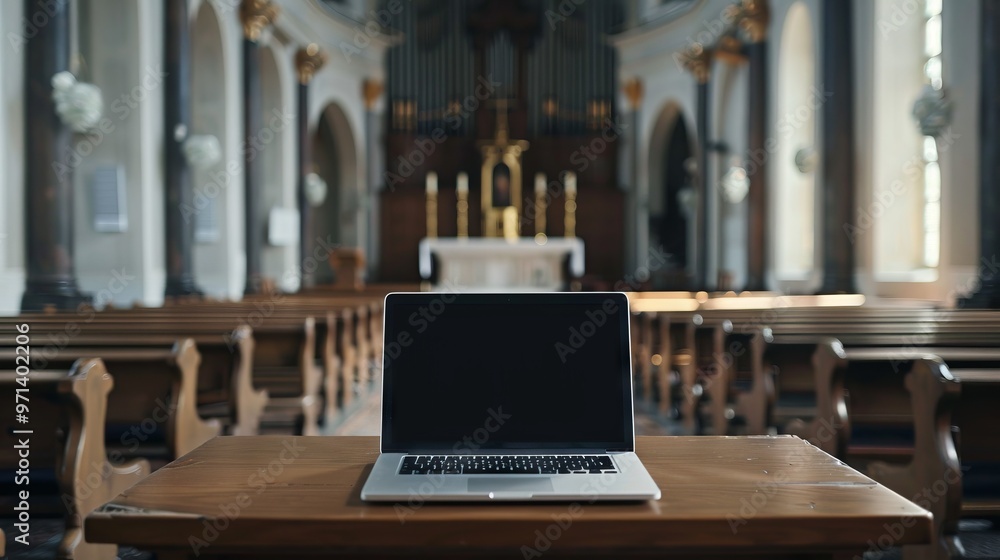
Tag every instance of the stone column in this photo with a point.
(839, 172)
(988, 294)
(755, 17)
(308, 61)
(372, 90)
(633, 93)
(48, 174)
(698, 60)
(256, 15)
(177, 174)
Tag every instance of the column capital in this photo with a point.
(754, 19)
(729, 49)
(633, 91)
(697, 59)
(371, 89)
(308, 61)
(256, 15)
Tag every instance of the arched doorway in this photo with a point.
(794, 213)
(214, 246)
(336, 220)
(274, 145)
(672, 197)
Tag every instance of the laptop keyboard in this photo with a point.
(507, 464)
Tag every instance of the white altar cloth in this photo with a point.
(493, 264)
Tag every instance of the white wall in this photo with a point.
(11, 160)
(338, 83)
(647, 52)
(128, 67)
(278, 166)
(124, 64)
(959, 162)
(897, 235)
(796, 201)
(729, 126)
(219, 264)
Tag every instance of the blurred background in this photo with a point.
(219, 147)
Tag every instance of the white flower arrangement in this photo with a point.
(78, 104)
(202, 150)
(315, 189)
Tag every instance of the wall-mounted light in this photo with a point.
(805, 160)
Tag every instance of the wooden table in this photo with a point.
(286, 496)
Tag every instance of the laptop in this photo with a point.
(507, 397)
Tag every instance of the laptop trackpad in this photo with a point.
(509, 485)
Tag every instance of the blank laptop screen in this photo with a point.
(473, 372)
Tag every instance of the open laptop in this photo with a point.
(507, 397)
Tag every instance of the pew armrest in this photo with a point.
(933, 479)
(830, 429)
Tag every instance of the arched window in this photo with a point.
(214, 187)
(904, 210)
(795, 129)
(932, 172)
(672, 197)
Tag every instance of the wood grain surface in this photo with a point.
(290, 495)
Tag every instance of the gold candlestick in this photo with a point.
(570, 221)
(540, 205)
(462, 193)
(463, 213)
(539, 214)
(570, 214)
(432, 211)
(432, 204)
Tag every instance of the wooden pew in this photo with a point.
(289, 373)
(795, 341)
(284, 362)
(225, 386)
(359, 342)
(283, 350)
(348, 352)
(334, 347)
(655, 343)
(979, 440)
(908, 399)
(812, 365)
(67, 416)
(345, 372)
(154, 386)
(642, 350)
(932, 476)
(354, 313)
(713, 360)
(751, 386)
(714, 367)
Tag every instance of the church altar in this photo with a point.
(492, 264)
